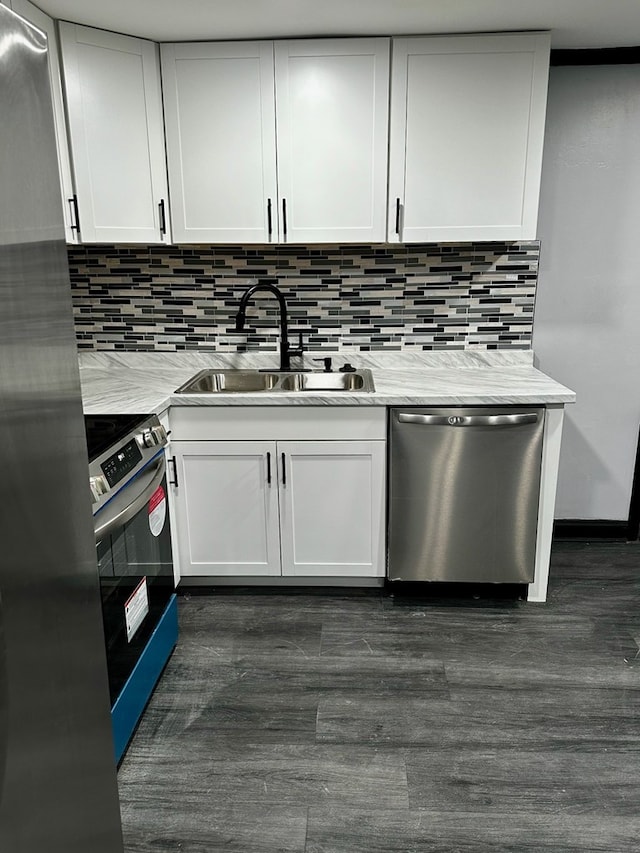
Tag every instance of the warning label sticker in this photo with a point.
(157, 511)
(136, 608)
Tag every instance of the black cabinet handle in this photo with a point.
(284, 217)
(398, 217)
(268, 468)
(174, 482)
(284, 472)
(75, 223)
(163, 218)
(269, 219)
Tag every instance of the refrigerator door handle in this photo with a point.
(469, 420)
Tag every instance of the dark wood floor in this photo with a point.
(364, 723)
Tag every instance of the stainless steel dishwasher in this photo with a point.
(463, 501)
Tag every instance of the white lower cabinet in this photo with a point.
(291, 508)
(226, 508)
(331, 501)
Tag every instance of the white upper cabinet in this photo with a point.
(321, 177)
(332, 108)
(467, 128)
(115, 121)
(35, 16)
(220, 127)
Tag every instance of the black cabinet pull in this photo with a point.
(284, 472)
(269, 219)
(75, 218)
(284, 217)
(398, 217)
(163, 218)
(174, 482)
(268, 468)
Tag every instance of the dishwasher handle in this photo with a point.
(469, 420)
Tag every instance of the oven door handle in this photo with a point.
(124, 506)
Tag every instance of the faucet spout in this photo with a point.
(285, 351)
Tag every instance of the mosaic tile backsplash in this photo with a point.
(415, 297)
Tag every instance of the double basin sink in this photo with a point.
(253, 381)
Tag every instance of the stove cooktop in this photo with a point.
(103, 431)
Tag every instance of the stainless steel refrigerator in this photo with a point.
(58, 789)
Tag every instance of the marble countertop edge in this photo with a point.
(370, 399)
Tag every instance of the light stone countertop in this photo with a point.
(123, 383)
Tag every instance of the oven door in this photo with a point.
(133, 542)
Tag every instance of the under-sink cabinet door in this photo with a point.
(332, 107)
(226, 508)
(220, 127)
(332, 508)
(114, 105)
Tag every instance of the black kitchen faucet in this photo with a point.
(285, 350)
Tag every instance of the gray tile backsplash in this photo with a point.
(406, 297)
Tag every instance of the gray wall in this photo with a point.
(587, 320)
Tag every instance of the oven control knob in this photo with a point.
(99, 487)
(153, 437)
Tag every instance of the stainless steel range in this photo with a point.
(127, 477)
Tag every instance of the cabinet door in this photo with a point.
(467, 127)
(332, 100)
(226, 509)
(332, 508)
(220, 125)
(35, 16)
(117, 139)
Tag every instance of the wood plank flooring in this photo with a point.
(359, 722)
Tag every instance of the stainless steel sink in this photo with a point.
(229, 382)
(252, 381)
(361, 380)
